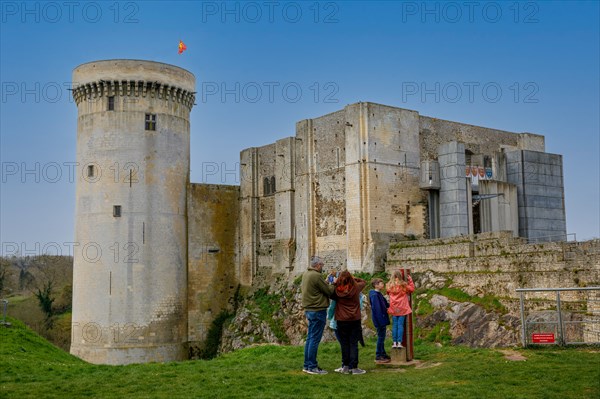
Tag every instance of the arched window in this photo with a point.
(269, 186)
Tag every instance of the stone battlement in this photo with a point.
(131, 88)
(133, 78)
(497, 263)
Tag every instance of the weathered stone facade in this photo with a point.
(213, 219)
(352, 180)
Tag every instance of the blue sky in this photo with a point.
(262, 66)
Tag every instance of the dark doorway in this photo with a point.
(476, 218)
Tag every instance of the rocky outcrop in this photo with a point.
(471, 324)
(245, 330)
(249, 328)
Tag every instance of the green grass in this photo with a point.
(488, 302)
(32, 368)
(440, 333)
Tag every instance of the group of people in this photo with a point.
(346, 291)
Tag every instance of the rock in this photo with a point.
(438, 301)
(471, 325)
(429, 280)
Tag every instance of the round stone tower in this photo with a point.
(130, 258)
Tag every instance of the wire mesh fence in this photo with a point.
(560, 316)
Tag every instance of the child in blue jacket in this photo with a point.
(379, 315)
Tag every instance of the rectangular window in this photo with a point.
(269, 186)
(150, 121)
(111, 103)
(90, 170)
(117, 211)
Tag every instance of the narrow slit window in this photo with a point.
(117, 211)
(111, 103)
(90, 170)
(150, 121)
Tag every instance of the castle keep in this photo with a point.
(347, 183)
(133, 138)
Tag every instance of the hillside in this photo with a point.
(32, 368)
(23, 278)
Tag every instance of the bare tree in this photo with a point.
(3, 274)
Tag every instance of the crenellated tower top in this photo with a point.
(134, 78)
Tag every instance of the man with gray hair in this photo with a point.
(315, 301)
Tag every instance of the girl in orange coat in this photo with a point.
(398, 290)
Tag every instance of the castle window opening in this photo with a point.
(150, 121)
(90, 170)
(487, 161)
(111, 103)
(269, 185)
(117, 211)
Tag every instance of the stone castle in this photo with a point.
(164, 256)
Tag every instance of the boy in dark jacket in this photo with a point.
(380, 318)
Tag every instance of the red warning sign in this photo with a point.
(542, 338)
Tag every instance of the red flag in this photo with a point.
(182, 47)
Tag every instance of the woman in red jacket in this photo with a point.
(398, 290)
(347, 314)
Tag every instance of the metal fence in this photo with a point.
(560, 316)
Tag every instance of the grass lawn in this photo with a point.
(30, 367)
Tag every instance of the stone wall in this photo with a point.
(497, 263)
(395, 204)
(479, 140)
(541, 195)
(454, 205)
(213, 220)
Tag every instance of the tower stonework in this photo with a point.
(133, 154)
